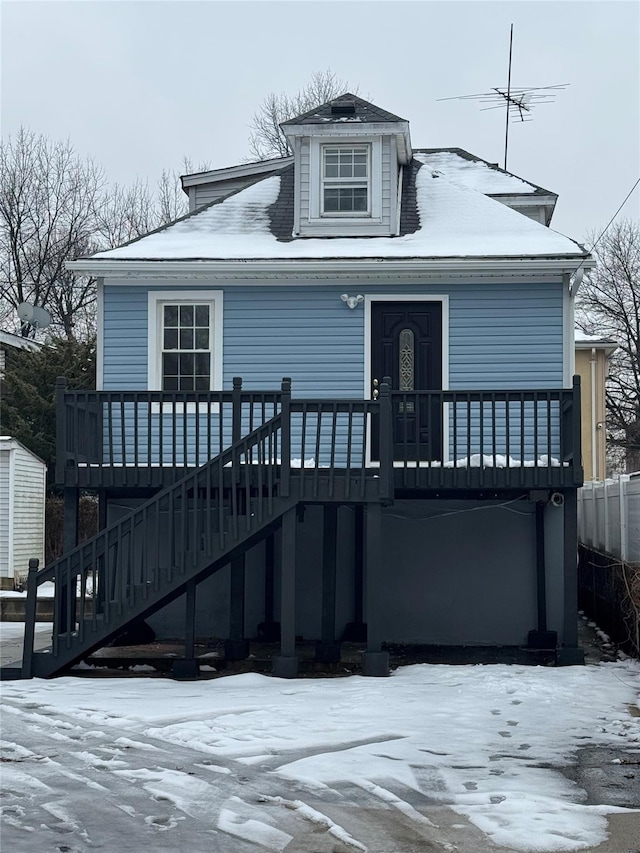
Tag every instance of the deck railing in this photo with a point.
(431, 438)
(102, 432)
(532, 435)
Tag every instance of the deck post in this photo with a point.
(236, 418)
(30, 619)
(70, 540)
(570, 653)
(187, 668)
(269, 630)
(285, 437)
(375, 662)
(328, 649)
(576, 442)
(541, 638)
(285, 665)
(236, 647)
(61, 430)
(356, 632)
(386, 442)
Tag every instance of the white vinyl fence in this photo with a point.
(609, 516)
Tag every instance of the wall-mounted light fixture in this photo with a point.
(352, 301)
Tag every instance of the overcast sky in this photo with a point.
(137, 85)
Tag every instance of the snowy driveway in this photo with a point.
(443, 758)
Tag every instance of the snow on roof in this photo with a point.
(455, 221)
(17, 341)
(475, 174)
(586, 340)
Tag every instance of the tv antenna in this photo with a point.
(517, 102)
(33, 315)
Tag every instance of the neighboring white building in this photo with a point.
(16, 342)
(22, 499)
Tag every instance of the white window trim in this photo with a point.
(156, 298)
(351, 182)
(443, 298)
(316, 183)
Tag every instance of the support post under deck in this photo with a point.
(269, 630)
(328, 649)
(67, 608)
(187, 668)
(375, 662)
(570, 653)
(541, 638)
(285, 665)
(236, 647)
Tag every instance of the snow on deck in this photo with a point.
(455, 221)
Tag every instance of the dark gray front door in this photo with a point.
(406, 345)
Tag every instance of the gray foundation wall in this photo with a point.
(457, 573)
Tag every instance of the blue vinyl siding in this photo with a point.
(506, 335)
(502, 335)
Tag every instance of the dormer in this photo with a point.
(348, 159)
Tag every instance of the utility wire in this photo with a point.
(606, 228)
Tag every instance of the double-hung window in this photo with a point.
(346, 172)
(184, 341)
(186, 347)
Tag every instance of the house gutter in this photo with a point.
(324, 268)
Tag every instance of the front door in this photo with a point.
(406, 345)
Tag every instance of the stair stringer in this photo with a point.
(141, 562)
(46, 665)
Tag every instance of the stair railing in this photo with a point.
(177, 533)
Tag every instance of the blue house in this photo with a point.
(334, 400)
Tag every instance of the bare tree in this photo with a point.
(267, 139)
(48, 199)
(125, 213)
(609, 306)
(55, 207)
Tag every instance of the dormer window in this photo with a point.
(346, 172)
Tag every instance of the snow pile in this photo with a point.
(497, 460)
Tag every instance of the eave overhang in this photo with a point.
(241, 171)
(398, 129)
(304, 268)
(605, 345)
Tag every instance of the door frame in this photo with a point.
(443, 298)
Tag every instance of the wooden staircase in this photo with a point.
(138, 564)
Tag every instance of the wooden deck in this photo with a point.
(431, 440)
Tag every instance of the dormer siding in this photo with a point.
(386, 179)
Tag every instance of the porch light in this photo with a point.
(352, 301)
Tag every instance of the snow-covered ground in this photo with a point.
(454, 758)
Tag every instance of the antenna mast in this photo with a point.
(518, 101)
(506, 131)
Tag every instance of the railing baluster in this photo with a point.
(549, 447)
(469, 427)
(536, 452)
(317, 449)
(507, 414)
(349, 450)
(522, 436)
(303, 447)
(494, 449)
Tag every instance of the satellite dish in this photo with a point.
(34, 315)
